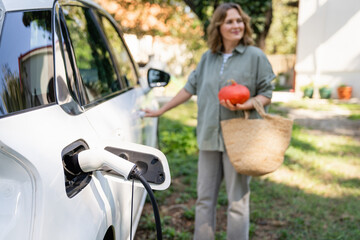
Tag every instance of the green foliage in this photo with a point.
(38, 17)
(147, 222)
(179, 141)
(183, 198)
(354, 117)
(354, 107)
(175, 138)
(221, 235)
(256, 9)
(283, 31)
(252, 230)
(161, 18)
(190, 213)
(327, 105)
(169, 232)
(14, 95)
(222, 198)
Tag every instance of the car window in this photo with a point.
(92, 56)
(62, 44)
(123, 60)
(26, 61)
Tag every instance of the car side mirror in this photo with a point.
(157, 78)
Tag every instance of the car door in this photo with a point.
(111, 94)
(37, 129)
(110, 79)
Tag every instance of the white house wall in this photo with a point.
(328, 50)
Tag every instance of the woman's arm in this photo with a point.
(181, 97)
(246, 105)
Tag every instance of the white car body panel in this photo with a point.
(33, 200)
(44, 150)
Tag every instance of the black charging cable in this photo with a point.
(136, 174)
(132, 208)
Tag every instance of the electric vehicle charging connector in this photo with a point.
(97, 159)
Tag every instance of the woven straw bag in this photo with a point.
(257, 146)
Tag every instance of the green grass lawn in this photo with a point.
(314, 195)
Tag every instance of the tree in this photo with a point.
(155, 18)
(184, 20)
(160, 18)
(283, 31)
(260, 12)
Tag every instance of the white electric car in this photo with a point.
(68, 86)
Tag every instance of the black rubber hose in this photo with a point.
(137, 175)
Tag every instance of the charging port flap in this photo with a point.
(149, 165)
(151, 162)
(75, 179)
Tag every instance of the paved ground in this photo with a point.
(334, 121)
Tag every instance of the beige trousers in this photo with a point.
(213, 166)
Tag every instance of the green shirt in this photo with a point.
(248, 66)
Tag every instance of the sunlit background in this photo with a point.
(310, 43)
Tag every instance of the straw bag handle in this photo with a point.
(258, 107)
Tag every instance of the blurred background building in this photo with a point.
(328, 45)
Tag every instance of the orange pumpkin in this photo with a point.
(235, 92)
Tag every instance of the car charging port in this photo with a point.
(75, 178)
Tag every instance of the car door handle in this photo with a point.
(140, 113)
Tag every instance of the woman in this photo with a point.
(230, 56)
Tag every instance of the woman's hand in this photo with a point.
(152, 113)
(181, 97)
(245, 106)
